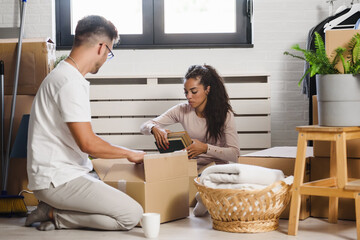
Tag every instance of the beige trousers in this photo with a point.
(87, 202)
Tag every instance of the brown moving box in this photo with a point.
(320, 168)
(17, 175)
(18, 181)
(282, 158)
(193, 173)
(159, 185)
(23, 106)
(322, 148)
(37, 60)
(338, 38)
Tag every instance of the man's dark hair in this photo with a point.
(90, 28)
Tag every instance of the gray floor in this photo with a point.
(188, 228)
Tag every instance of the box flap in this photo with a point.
(159, 167)
(192, 167)
(129, 172)
(282, 152)
(102, 166)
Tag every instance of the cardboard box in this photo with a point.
(193, 173)
(37, 60)
(160, 184)
(23, 106)
(338, 38)
(320, 168)
(282, 158)
(18, 181)
(322, 148)
(17, 175)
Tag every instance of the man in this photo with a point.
(61, 138)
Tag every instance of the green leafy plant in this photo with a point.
(320, 63)
(59, 59)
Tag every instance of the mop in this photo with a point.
(10, 204)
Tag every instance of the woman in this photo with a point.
(207, 117)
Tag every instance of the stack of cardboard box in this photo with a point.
(37, 60)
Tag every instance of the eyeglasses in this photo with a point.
(110, 54)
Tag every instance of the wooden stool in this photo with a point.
(334, 187)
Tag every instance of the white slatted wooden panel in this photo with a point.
(124, 125)
(253, 106)
(123, 108)
(131, 108)
(253, 124)
(172, 91)
(132, 125)
(262, 140)
(155, 108)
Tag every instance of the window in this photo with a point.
(163, 23)
(127, 17)
(198, 16)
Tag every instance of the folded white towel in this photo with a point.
(239, 176)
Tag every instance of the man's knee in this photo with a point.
(134, 216)
(138, 212)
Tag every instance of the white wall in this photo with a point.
(39, 17)
(278, 24)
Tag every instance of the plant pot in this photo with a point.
(338, 99)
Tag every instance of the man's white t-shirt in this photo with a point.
(53, 157)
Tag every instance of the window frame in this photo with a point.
(153, 36)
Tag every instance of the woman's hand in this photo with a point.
(136, 156)
(196, 148)
(160, 136)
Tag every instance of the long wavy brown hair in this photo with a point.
(217, 105)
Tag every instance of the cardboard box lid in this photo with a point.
(159, 167)
(282, 152)
(156, 167)
(129, 172)
(102, 166)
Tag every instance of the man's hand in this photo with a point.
(136, 156)
(196, 148)
(160, 136)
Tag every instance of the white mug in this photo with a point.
(150, 224)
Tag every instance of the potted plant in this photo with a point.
(338, 90)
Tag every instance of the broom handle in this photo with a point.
(2, 72)
(13, 103)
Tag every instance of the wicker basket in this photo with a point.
(238, 210)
